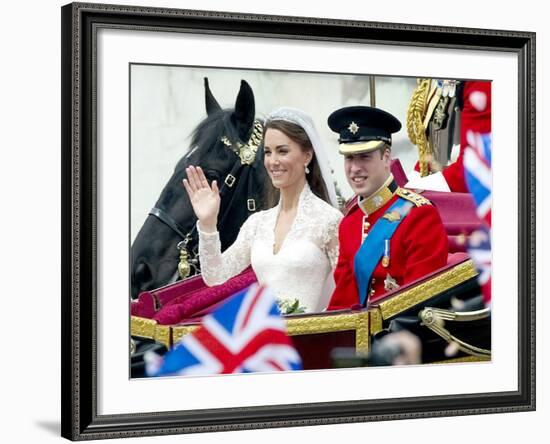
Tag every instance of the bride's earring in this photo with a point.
(306, 168)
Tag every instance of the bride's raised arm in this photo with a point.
(218, 267)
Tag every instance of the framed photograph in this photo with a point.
(138, 87)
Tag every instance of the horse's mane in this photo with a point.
(206, 136)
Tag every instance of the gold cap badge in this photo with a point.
(353, 128)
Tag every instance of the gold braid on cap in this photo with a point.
(415, 124)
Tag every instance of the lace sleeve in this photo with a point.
(218, 267)
(331, 245)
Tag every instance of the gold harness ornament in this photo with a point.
(247, 151)
(185, 264)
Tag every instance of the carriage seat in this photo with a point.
(458, 214)
(183, 299)
(457, 210)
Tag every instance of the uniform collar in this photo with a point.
(379, 198)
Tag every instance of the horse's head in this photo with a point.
(227, 145)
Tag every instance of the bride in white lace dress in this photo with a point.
(293, 247)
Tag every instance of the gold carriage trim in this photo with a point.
(463, 359)
(180, 331)
(423, 292)
(357, 321)
(150, 329)
(376, 321)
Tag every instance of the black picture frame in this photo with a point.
(79, 216)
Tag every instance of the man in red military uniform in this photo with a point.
(390, 235)
(475, 115)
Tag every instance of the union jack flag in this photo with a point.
(477, 171)
(246, 334)
(479, 247)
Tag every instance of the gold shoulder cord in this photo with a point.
(415, 126)
(417, 199)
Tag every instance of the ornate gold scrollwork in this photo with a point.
(150, 329)
(179, 331)
(434, 319)
(375, 320)
(358, 322)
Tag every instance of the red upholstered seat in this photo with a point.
(458, 214)
(188, 298)
(456, 258)
(457, 210)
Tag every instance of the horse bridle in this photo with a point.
(246, 155)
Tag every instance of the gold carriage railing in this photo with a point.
(356, 328)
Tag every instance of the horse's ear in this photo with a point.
(212, 104)
(243, 116)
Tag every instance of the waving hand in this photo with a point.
(204, 198)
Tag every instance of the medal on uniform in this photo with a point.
(386, 257)
(390, 283)
(365, 229)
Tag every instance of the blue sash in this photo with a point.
(372, 249)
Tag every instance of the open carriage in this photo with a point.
(425, 306)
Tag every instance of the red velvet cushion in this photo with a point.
(190, 295)
(457, 211)
(189, 304)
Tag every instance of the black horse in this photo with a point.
(228, 146)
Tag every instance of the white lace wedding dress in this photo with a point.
(302, 268)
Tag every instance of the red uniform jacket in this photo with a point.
(476, 116)
(418, 247)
